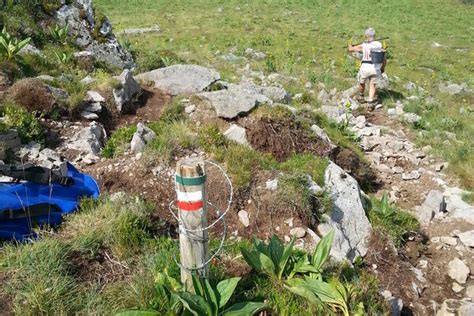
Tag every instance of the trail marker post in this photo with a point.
(192, 214)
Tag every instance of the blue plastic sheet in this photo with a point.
(53, 201)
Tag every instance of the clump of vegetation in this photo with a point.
(26, 123)
(10, 46)
(390, 220)
(60, 34)
(118, 142)
(32, 94)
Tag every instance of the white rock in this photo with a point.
(141, 138)
(244, 218)
(298, 232)
(272, 184)
(458, 270)
(449, 240)
(467, 238)
(94, 96)
(126, 95)
(237, 134)
(456, 287)
(89, 115)
(470, 291)
(411, 175)
(190, 109)
(289, 222)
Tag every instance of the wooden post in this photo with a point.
(191, 204)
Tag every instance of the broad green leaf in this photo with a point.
(328, 293)
(225, 289)
(195, 304)
(244, 309)
(307, 268)
(299, 287)
(211, 297)
(261, 247)
(137, 313)
(275, 248)
(321, 253)
(259, 261)
(285, 256)
(198, 286)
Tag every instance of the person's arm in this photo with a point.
(357, 48)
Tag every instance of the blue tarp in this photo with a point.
(48, 203)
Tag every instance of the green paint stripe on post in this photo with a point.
(190, 181)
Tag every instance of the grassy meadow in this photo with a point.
(305, 39)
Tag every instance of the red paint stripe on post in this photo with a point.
(190, 206)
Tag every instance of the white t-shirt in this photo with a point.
(366, 53)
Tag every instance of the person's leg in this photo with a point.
(361, 88)
(372, 90)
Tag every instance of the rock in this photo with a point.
(89, 115)
(47, 78)
(236, 134)
(234, 100)
(9, 140)
(458, 271)
(459, 209)
(298, 232)
(448, 240)
(127, 94)
(231, 57)
(323, 96)
(470, 291)
(244, 218)
(456, 287)
(276, 94)
(94, 96)
(322, 134)
(313, 187)
(89, 140)
(272, 184)
(143, 30)
(439, 166)
(48, 158)
(80, 18)
(453, 307)
(254, 54)
(87, 80)
(451, 88)
(467, 309)
(95, 107)
(141, 138)
(289, 222)
(467, 238)
(351, 236)
(335, 113)
(411, 118)
(57, 93)
(30, 49)
(190, 109)
(434, 204)
(29, 152)
(179, 79)
(410, 86)
(411, 175)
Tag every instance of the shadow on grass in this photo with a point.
(387, 94)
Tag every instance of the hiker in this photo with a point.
(368, 70)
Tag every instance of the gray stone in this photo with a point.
(467, 309)
(89, 115)
(451, 88)
(254, 54)
(179, 79)
(79, 17)
(48, 158)
(414, 175)
(141, 138)
(94, 107)
(236, 134)
(272, 184)
(143, 30)
(127, 94)
(411, 118)
(448, 240)
(9, 141)
(410, 86)
(47, 78)
(87, 80)
(458, 270)
(298, 232)
(434, 204)
(322, 134)
(89, 140)
(29, 152)
(244, 218)
(335, 113)
(234, 100)
(323, 96)
(57, 93)
(351, 236)
(94, 96)
(470, 291)
(190, 109)
(30, 49)
(467, 238)
(231, 57)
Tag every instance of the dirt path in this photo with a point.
(418, 273)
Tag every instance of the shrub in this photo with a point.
(118, 142)
(26, 123)
(31, 94)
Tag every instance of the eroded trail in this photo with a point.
(431, 272)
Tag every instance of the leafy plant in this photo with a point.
(211, 300)
(63, 57)
(334, 294)
(26, 123)
(10, 46)
(59, 34)
(271, 259)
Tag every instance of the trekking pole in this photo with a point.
(378, 39)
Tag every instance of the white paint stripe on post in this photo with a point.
(189, 196)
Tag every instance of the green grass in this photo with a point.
(302, 39)
(118, 141)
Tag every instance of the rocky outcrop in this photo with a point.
(179, 79)
(347, 217)
(141, 138)
(93, 33)
(128, 92)
(89, 141)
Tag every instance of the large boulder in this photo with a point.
(128, 92)
(179, 79)
(234, 100)
(347, 217)
(93, 33)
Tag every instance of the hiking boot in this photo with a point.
(360, 98)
